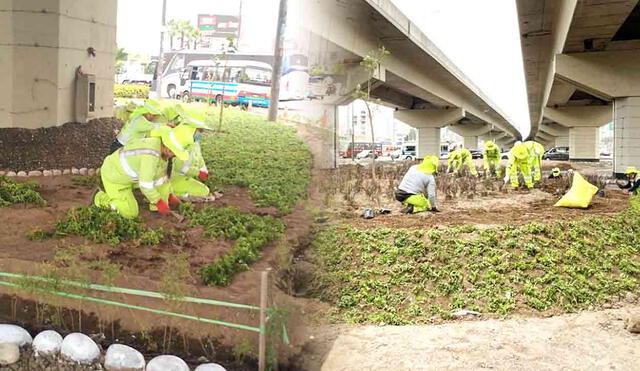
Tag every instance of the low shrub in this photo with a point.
(403, 276)
(251, 233)
(130, 91)
(99, 225)
(12, 192)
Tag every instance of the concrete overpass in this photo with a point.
(582, 65)
(428, 91)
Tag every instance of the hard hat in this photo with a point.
(631, 170)
(177, 139)
(152, 106)
(490, 145)
(198, 120)
(520, 151)
(555, 171)
(429, 165)
(173, 112)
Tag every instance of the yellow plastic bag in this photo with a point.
(580, 194)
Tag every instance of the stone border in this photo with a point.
(55, 172)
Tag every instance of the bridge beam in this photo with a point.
(626, 134)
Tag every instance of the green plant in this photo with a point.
(99, 225)
(266, 157)
(12, 192)
(251, 233)
(152, 237)
(130, 91)
(403, 276)
(92, 181)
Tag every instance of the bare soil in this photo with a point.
(584, 341)
(141, 266)
(59, 147)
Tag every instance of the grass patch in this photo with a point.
(251, 233)
(401, 276)
(12, 193)
(266, 157)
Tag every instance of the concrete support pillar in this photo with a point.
(562, 141)
(428, 122)
(470, 142)
(428, 142)
(626, 145)
(584, 143)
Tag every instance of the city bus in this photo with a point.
(177, 61)
(294, 83)
(236, 82)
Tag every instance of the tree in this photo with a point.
(121, 57)
(196, 37)
(173, 30)
(229, 47)
(183, 28)
(371, 63)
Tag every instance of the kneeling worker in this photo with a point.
(416, 183)
(459, 158)
(143, 163)
(632, 186)
(187, 176)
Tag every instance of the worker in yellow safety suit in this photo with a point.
(519, 161)
(491, 157)
(143, 163)
(187, 176)
(123, 112)
(459, 158)
(416, 183)
(141, 121)
(536, 150)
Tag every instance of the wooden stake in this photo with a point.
(262, 356)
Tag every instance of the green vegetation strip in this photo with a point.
(120, 290)
(402, 276)
(131, 306)
(12, 192)
(266, 157)
(251, 233)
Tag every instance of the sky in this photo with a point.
(482, 38)
(139, 21)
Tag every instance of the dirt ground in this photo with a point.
(584, 341)
(513, 208)
(141, 264)
(59, 147)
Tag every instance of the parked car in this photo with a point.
(408, 152)
(557, 154)
(367, 153)
(476, 153)
(444, 155)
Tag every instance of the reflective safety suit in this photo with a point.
(519, 161)
(139, 163)
(418, 182)
(459, 158)
(491, 156)
(137, 127)
(536, 150)
(184, 174)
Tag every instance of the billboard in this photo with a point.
(211, 25)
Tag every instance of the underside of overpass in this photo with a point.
(582, 71)
(428, 91)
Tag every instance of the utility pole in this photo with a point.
(239, 24)
(160, 68)
(277, 63)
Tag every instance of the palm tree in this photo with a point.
(196, 37)
(183, 29)
(174, 31)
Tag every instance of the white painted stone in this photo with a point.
(22, 173)
(80, 348)
(13, 334)
(11, 173)
(167, 363)
(210, 367)
(66, 171)
(75, 171)
(47, 343)
(83, 171)
(34, 173)
(3, 173)
(123, 358)
(91, 172)
(9, 354)
(57, 172)
(47, 173)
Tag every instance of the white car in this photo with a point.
(364, 154)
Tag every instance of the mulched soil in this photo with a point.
(60, 147)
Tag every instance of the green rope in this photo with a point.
(131, 306)
(120, 290)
